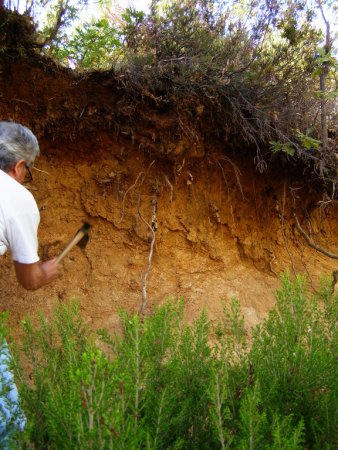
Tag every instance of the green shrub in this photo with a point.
(293, 356)
(161, 384)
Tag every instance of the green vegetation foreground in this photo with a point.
(162, 385)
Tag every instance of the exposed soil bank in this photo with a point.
(223, 229)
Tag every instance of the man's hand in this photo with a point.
(51, 269)
(34, 276)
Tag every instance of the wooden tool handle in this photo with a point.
(71, 244)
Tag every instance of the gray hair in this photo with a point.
(16, 142)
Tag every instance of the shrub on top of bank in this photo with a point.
(161, 383)
(255, 75)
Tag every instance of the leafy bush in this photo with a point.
(293, 355)
(244, 73)
(248, 68)
(162, 384)
(93, 46)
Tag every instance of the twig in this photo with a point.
(172, 59)
(309, 241)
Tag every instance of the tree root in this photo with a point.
(132, 187)
(309, 241)
(152, 227)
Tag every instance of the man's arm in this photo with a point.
(33, 276)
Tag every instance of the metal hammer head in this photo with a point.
(81, 239)
(85, 231)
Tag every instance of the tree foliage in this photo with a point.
(52, 18)
(93, 46)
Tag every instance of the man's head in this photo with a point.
(18, 149)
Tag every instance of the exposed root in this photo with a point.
(132, 187)
(170, 187)
(309, 241)
(39, 170)
(325, 204)
(152, 227)
(271, 261)
(237, 173)
(282, 222)
(125, 194)
(309, 278)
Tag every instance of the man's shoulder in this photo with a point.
(13, 193)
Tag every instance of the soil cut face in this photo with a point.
(223, 230)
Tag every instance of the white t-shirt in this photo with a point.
(19, 221)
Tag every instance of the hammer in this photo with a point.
(81, 238)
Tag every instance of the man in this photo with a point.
(19, 221)
(19, 214)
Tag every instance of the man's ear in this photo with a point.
(18, 171)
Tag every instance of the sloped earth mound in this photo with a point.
(223, 229)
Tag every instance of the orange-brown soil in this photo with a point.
(223, 229)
